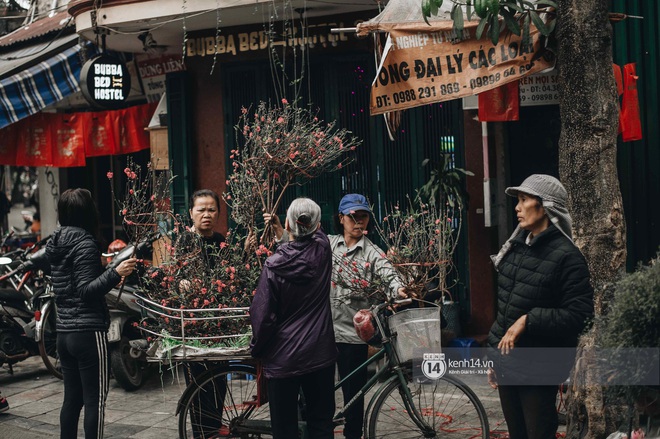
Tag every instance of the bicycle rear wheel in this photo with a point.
(218, 401)
(447, 406)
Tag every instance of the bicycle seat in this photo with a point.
(10, 295)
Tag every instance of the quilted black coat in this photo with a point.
(549, 281)
(79, 281)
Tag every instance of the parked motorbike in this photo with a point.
(127, 358)
(27, 311)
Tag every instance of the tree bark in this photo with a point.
(588, 169)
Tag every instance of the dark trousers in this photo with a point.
(318, 390)
(350, 357)
(208, 407)
(84, 361)
(530, 411)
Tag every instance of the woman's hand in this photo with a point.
(251, 243)
(492, 378)
(509, 340)
(275, 223)
(126, 267)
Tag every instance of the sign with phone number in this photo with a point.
(423, 65)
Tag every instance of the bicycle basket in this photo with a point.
(205, 333)
(415, 332)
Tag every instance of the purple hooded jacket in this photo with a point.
(291, 319)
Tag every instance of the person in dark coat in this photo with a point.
(544, 302)
(199, 248)
(80, 284)
(292, 331)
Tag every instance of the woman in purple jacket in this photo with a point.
(292, 326)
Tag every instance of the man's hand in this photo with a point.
(509, 340)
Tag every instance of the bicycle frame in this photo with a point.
(393, 370)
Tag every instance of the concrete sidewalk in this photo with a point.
(35, 399)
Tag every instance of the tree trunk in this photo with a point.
(588, 168)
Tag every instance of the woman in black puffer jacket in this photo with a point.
(544, 300)
(80, 286)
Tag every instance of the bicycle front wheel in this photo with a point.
(218, 402)
(48, 342)
(447, 406)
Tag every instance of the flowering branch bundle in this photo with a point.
(210, 279)
(145, 202)
(280, 146)
(362, 279)
(421, 242)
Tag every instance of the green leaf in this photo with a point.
(511, 22)
(494, 29)
(457, 16)
(468, 10)
(551, 25)
(434, 8)
(539, 23)
(525, 36)
(547, 3)
(481, 27)
(513, 5)
(495, 7)
(426, 10)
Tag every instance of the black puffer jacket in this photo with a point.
(79, 281)
(549, 281)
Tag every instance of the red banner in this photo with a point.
(130, 128)
(64, 140)
(34, 141)
(69, 140)
(501, 104)
(630, 115)
(99, 135)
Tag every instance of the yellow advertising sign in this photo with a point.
(422, 66)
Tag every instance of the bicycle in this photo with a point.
(399, 405)
(31, 296)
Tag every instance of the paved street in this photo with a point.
(35, 399)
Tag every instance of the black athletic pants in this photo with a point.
(84, 361)
(530, 411)
(350, 357)
(318, 390)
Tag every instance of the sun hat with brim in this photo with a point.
(351, 203)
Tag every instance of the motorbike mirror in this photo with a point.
(5, 260)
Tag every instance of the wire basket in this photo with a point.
(178, 343)
(416, 331)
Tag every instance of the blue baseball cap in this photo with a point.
(352, 203)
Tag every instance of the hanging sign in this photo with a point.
(423, 65)
(105, 81)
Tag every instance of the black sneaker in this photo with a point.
(4, 405)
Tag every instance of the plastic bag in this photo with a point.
(366, 328)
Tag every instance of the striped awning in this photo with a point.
(27, 92)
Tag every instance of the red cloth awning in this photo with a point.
(65, 140)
